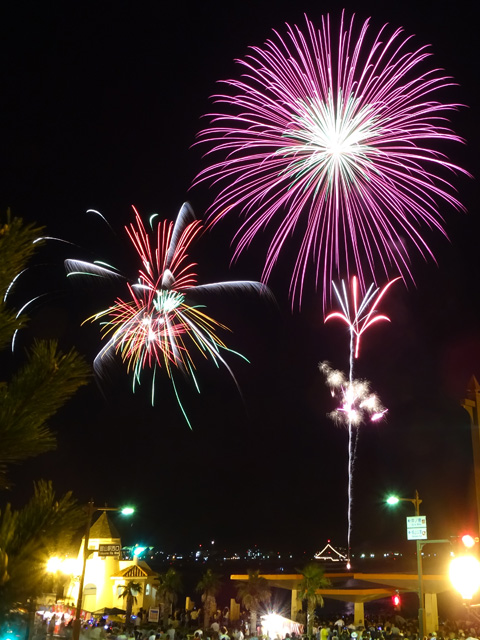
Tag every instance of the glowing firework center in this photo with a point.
(331, 139)
(168, 301)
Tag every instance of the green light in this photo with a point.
(127, 511)
(138, 550)
(393, 500)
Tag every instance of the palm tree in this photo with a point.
(168, 590)
(130, 591)
(46, 380)
(28, 537)
(209, 586)
(253, 593)
(35, 392)
(313, 579)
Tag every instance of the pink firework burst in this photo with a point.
(336, 138)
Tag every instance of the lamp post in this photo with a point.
(90, 509)
(392, 500)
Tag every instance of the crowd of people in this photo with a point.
(394, 628)
(189, 627)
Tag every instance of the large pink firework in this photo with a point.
(338, 137)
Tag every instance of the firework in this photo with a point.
(359, 315)
(159, 325)
(334, 138)
(357, 403)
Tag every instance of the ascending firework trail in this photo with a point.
(357, 403)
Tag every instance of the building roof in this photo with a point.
(140, 570)
(330, 553)
(103, 528)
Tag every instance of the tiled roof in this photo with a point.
(103, 528)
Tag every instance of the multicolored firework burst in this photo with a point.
(159, 326)
(337, 138)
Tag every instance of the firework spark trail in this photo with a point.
(158, 327)
(357, 402)
(337, 139)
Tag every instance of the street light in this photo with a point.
(90, 509)
(54, 564)
(393, 500)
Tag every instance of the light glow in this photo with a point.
(68, 566)
(468, 541)
(465, 576)
(54, 564)
(138, 550)
(276, 626)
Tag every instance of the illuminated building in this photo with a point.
(106, 575)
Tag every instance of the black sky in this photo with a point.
(100, 105)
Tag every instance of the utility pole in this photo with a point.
(421, 606)
(471, 404)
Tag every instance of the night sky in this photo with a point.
(101, 103)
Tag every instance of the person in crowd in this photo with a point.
(122, 635)
(224, 634)
(324, 631)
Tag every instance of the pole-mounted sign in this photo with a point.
(416, 528)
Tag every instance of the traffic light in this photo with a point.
(397, 602)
